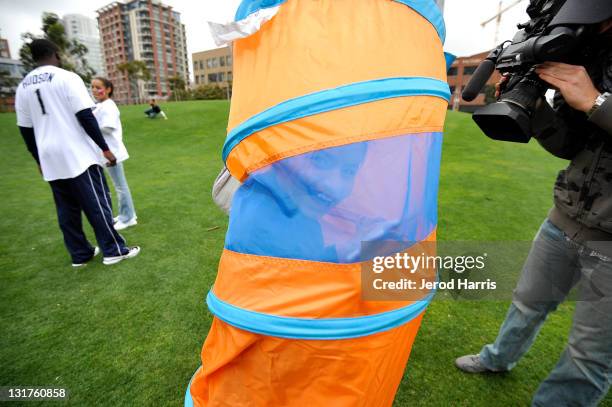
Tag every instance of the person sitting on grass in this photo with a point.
(155, 110)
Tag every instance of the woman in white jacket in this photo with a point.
(107, 114)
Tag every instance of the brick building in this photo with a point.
(12, 72)
(148, 31)
(460, 74)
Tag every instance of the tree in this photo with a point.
(177, 86)
(209, 92)
(7, 84)
(136, 71)
(7, 89)
(72, 52)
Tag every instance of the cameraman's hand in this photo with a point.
(499, 86)
(572, 81)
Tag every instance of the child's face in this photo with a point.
(99, 91)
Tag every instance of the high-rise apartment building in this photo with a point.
(85, 30)
(148, 31)
(5, 51)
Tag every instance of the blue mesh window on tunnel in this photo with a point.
(322, 205)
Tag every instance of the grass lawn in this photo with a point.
(130, 334)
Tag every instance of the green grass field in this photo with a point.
(130, 334)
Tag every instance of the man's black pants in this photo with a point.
(89, 193)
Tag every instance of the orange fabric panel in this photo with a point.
(299, 288)
(240, 369)
(315, 45)
(368, 121)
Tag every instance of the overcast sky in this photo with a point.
(465, 36)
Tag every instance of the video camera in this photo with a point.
(558, 31)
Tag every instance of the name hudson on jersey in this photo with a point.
(34, 79)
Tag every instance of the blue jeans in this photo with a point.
(124, 197)
(554, 265)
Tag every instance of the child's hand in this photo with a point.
(112, 160)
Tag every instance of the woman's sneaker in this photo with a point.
(121, 225)
(133, 252)
(95, 253)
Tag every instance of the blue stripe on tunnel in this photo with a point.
(188, 398)
(314, 329)
(430, 10)
(426, 8)
(333, 99)
(248, 7)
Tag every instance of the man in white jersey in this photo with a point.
(55, 119)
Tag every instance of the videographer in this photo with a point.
(574, 244)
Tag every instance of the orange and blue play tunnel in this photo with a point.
(335, 130)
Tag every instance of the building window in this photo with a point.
(222, 61)
(452, 71)
(221, 76)
(468, 70)
(212, 77)
(202, 65)
(230, 76)
(228, 60)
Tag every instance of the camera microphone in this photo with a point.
(478, 80)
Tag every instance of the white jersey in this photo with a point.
(108, 117)
(47, 100)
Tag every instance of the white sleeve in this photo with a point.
(106, 131)
(77, 94)
(106, 117)
(22, 109)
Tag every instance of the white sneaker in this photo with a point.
(120, 225)
(96, 252)
(116, 259)
(116, 218)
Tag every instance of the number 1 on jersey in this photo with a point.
(42, 105)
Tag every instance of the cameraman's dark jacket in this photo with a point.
(583, 191)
